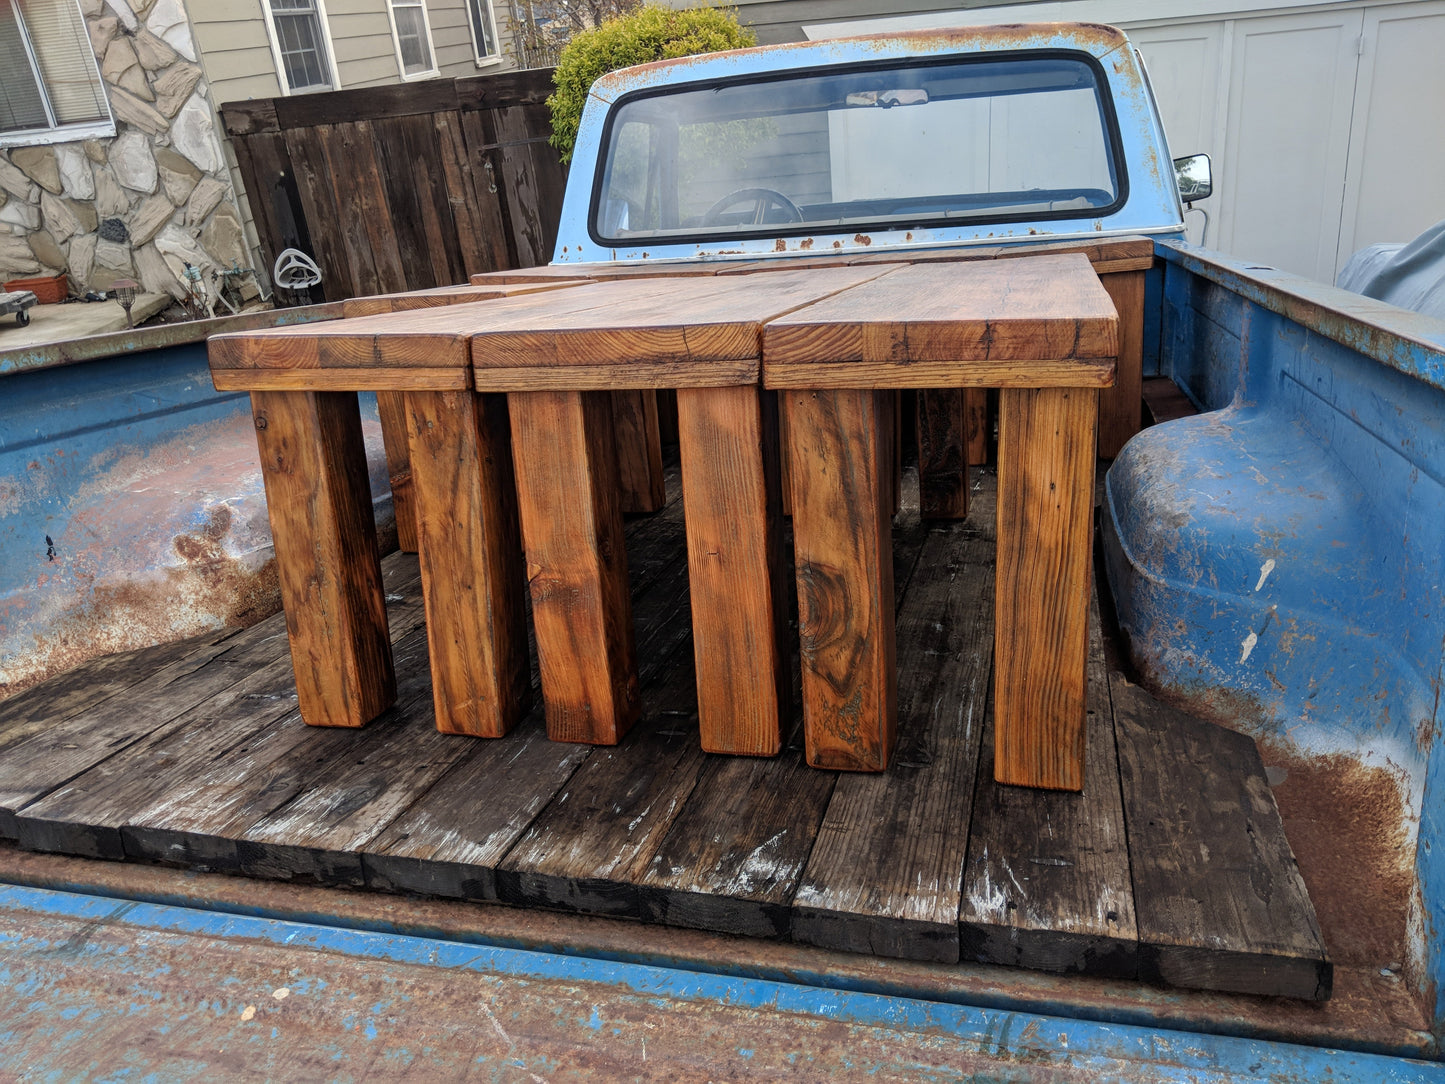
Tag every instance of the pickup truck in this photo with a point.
(1274, 556)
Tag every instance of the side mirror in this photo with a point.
(1193, 177)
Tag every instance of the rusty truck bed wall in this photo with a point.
(1278, 561)
(131, 503)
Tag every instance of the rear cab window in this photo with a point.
(895, 146)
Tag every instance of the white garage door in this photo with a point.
(1323, 124)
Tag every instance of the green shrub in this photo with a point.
(647, 34)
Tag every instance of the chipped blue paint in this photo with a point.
(132, 510)
(1022, 1043)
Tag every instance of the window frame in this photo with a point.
(287, 90)
(53, 132)
(484, 8)
(429, 73)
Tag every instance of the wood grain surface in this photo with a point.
(1225, 907)
(841, 448)
(1121, 407)
(903, 899)
(471, 560)
(1006, 323)
(728, 443)
(567, 491)
(697, 332)
(1047, 439)
(1047, 884)
(313, 463)
(941, 420)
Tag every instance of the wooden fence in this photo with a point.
(404, 187)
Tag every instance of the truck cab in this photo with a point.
(916, 140)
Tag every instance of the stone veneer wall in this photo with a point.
(143, 203)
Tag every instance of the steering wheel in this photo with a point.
(762, 198)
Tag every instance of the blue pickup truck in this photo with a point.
(1274, 555)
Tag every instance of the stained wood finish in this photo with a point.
(639, 450)
(1043, 322)
(1047, 884)
(943, 453)
(978, 425)
(1243, 921)
(703, 332)
(1045, 544)
(1120, 407)
(728, 440)
(471, 560)
(391, 408)
(566, 469)
(903, 899)
(840, 452)
(313, 466)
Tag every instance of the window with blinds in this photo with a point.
(301, 45)
(50, 86)
(413, 37)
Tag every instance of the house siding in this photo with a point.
(776, 21)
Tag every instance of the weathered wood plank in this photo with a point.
(318, 202)
(350, 152)
(476, 214)
(885, 874)
(732, 858)
(1221, 905)
(840, 450)
(728, 440)
(319, 505)
(589, 849)
(1046, 445)
(1047, 883)
(91, 683)
(471, 560)
(449, 843)
(566, 471)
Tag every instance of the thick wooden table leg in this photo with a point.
(840, 443)
(1045, 538)
(639, 450)
(567, 492)
(471, 560)
(943, 454)
(727, 439)
(1121, 407)
(977, 430)
(392, 411)
(314, 465)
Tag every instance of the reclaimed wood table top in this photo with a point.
(869, 325)
(1044, 322)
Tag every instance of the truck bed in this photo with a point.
(192, 755)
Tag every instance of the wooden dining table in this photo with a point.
(514, 468)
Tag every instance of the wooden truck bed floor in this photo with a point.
(1171, 869)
